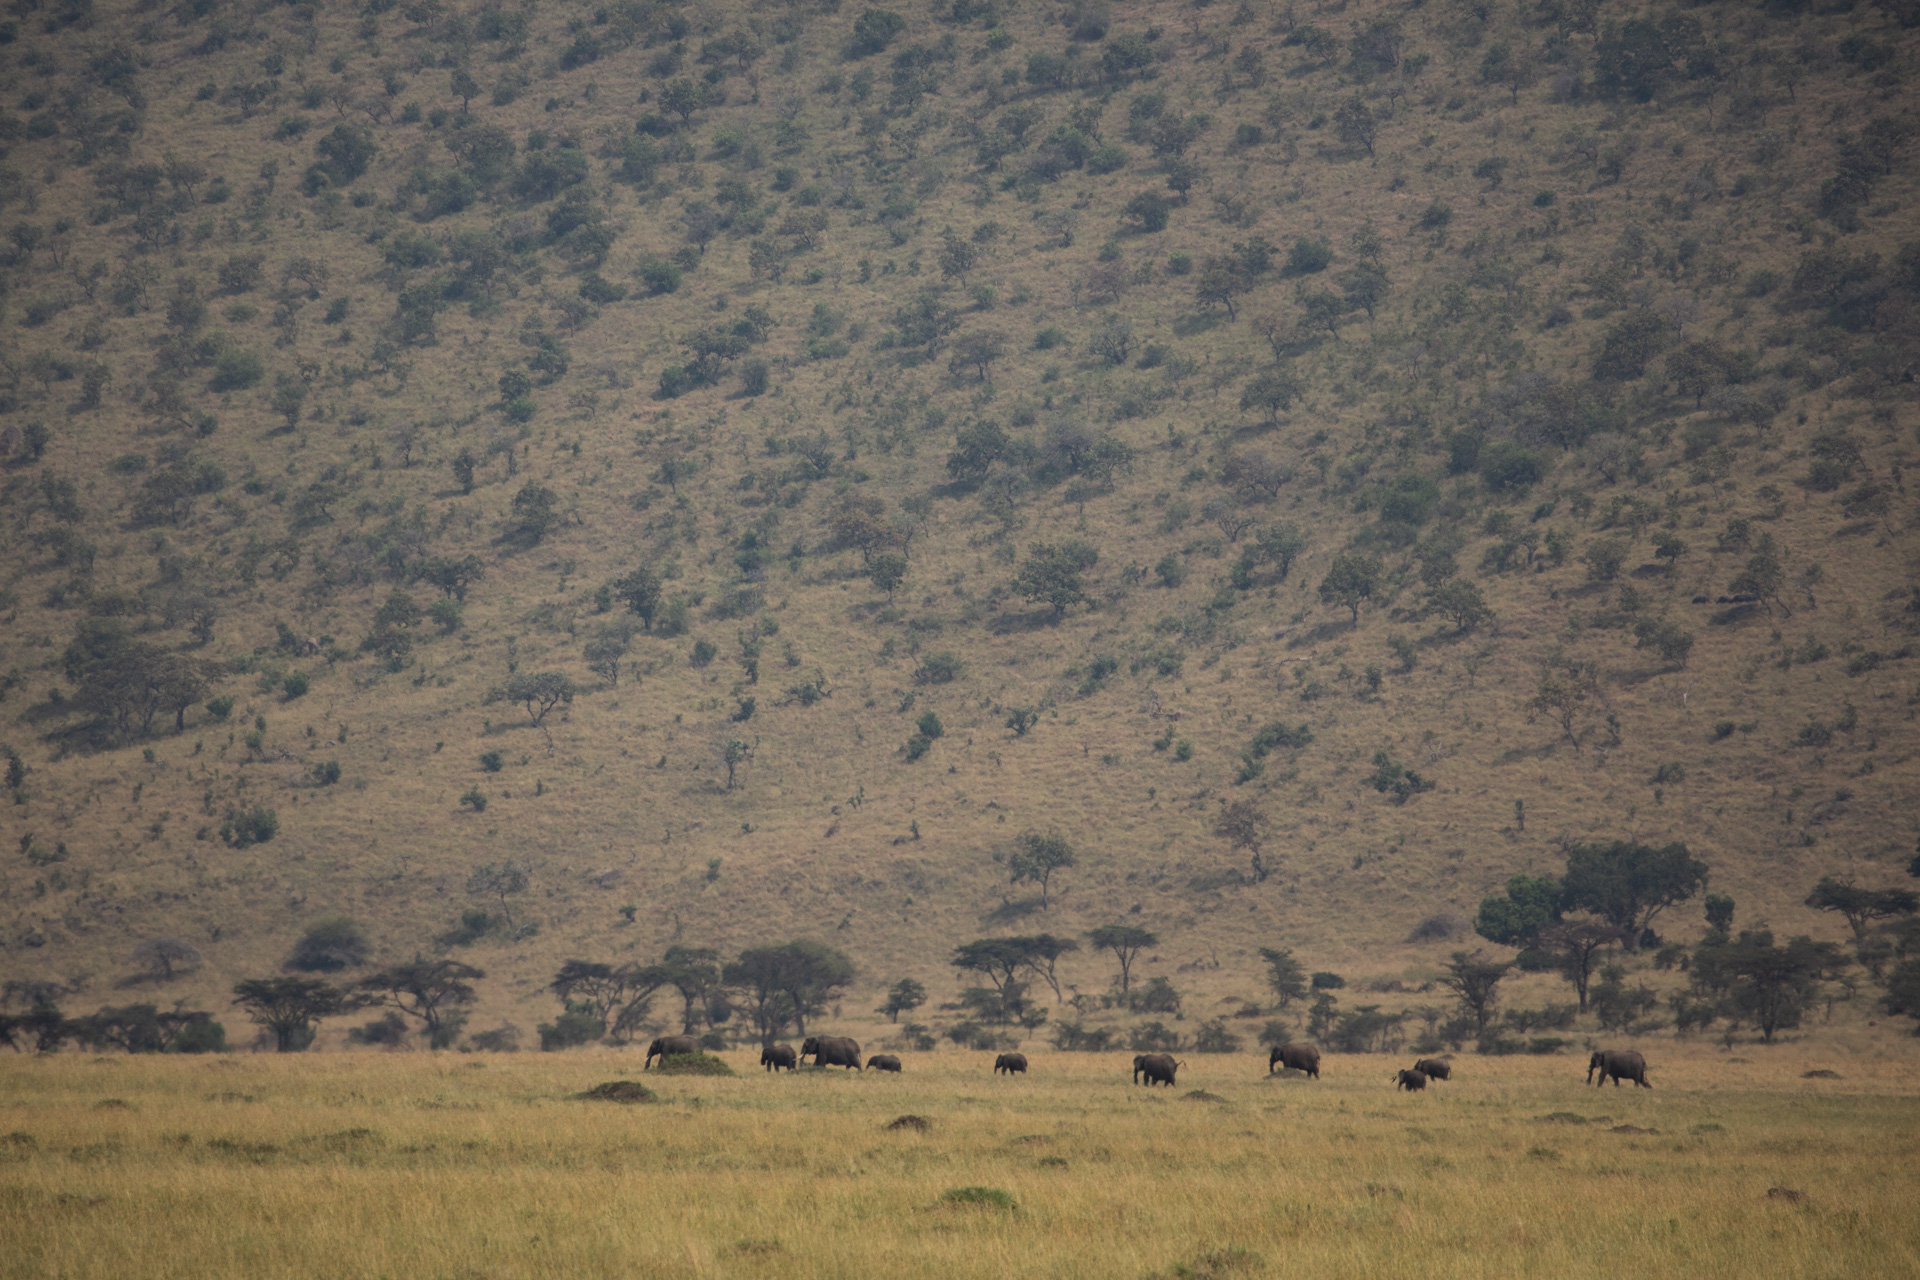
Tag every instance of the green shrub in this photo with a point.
(246, 827)
(236, 370)
(492, 761)
(475, 799)
(985, 1197)
(294, 685)
(692, 1064)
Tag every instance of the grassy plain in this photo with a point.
(488, 1166)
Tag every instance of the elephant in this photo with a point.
(1621, 1064)
(884, 1062)
(775, 1056)
(1157, 1067)
(1434, 1068)
(1010, 1063)
(1410, 1080)
(668, 1046)
(832, 1051)
(1300, 1057)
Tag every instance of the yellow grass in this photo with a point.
(470, 1166)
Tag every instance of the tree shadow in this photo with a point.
(1014, 623)
(1324, 631)
(1009, 911)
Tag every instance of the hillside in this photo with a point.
(361, 368)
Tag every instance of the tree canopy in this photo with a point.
(1628, 883)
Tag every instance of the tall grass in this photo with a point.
(422, 1165)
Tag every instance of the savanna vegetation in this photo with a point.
(1173, 527)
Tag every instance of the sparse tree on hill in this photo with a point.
(641, 590)
(1037, 858)
(1351, 582)
(540, 692)
(501, 880)
(887, 572)
(166, 958)
(1244, 825)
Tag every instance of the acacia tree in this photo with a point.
(1862, 907)
(809, 975)
(1126, 941)
(756, 974)
(598, 988)
(541, 692)
(904, 996)
(1563, 693)
(1772, 985)
(433, 991)
(1244, 824)
(1043, 953)
(1038, 858)
(998, 960)
(694, 972)
(163, 958)
(1475, 984)
(1575, 947)
(501, 880)
(1285, 975)
(289, 1007)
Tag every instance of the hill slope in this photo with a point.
(1126, 330)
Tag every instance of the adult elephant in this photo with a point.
(667, 1046)
(1010, 1063)
(1621, 1064)
(1410, 1080)
(1298, 1057)
(1434, 1068)
(884, 1062)
(775, 1056)
(1158, 1068)
(831, 1051)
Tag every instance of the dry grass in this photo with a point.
(489, 1166)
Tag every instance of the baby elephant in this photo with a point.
(1412, 1081)
(775, 1056)
(1434, 1068)
(884, 1062)
(1010, 1063)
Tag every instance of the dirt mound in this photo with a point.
(919, 1123)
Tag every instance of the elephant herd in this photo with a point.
(1150, 1068)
